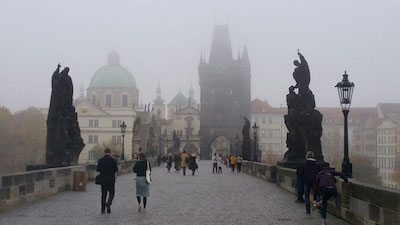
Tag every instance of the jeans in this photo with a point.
(215, 166)
(326, 194)
(110, 188)
(307, 190)
(300, 188)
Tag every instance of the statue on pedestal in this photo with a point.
(246, 142)
(63, 142)
(303, 121)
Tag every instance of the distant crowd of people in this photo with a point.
(229, 161)
(312, 177)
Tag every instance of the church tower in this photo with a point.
(224, 91)
(159, 106)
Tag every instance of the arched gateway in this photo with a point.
(224, 92)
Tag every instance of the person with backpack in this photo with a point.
(308, 172)
(326, 188)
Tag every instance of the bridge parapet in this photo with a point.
(25, 187)
(358, 203)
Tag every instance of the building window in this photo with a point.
(90, 139)
(263, 133)
(114, 123)
(270, 133)
(90, 123)
(108, 100)
(94, 99)
(124, 100)
(92, 155)
(96, 123)
(116, 138)
(263, 120)
(95, 139)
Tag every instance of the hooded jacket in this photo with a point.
(309, 170)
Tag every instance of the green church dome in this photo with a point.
(179, 99)
(113, 75)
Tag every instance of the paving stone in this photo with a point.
(206, 198)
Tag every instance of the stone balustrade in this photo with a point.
(25, 187)
(357, 203)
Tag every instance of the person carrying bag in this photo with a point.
(143, 180)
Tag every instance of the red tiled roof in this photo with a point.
(258, 106)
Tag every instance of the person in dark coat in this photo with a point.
(308, 171)
(193, 163)
(326, 188)
(142, 185)
(169, 161)
(107, 166)
(299, 185)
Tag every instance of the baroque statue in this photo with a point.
(63, 141)
(303, 121)
(246, 142)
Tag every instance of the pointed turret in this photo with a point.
(158, 100)
(113, 58)
(221, 51)
(81, 93)
(245, 56)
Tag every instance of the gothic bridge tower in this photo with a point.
(224, 92)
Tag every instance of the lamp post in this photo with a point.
(255, 130)
(345, 89)
(123, 129)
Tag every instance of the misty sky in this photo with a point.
(162, 40)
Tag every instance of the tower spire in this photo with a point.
(245, 56)
(221, 51)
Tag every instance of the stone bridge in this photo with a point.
(206, 198)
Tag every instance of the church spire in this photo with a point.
(245, 56)
(158, 100)
(221, 51)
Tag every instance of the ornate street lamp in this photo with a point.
(123, 130)
(345, 90)
(255, 130)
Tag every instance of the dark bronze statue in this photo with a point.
(303, 121)
(63, 142)
(246, 142)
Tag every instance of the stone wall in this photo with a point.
(124, 167)
(21, 188)
(358, 203)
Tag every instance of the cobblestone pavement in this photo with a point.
(206, 198)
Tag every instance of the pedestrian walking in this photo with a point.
(299, 184)
(193, 166)
(226, 161)
(177, 162)
(215, 162)
(239, 161)
(308, 172)
(169, 162)
(232, 163)
(142, 184)
(326, 188)
(220, 163)
(107, 166)
(184, 162)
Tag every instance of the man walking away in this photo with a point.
(107, 166)
(215, 162)
(308, 171)
(239, 161)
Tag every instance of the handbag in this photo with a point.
(97, 180)
(148, 173)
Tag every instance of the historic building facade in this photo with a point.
(112, 98)
(224, 92)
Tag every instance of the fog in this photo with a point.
(162, 41)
